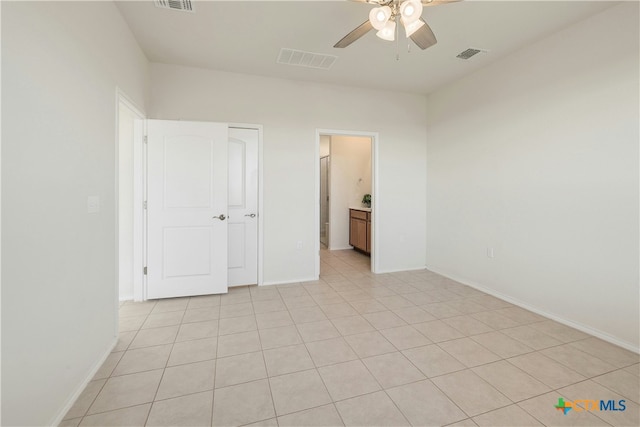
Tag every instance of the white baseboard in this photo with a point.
(92, 372)
(287, 282)
(341, 248)
(579, 326)
(401, 270)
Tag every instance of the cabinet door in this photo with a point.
(368, 237)
(353, 231)
(361, 234)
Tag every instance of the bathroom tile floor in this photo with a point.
(353, 348)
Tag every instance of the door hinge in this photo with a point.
(144, 204)
(144, 271)
(146, 139)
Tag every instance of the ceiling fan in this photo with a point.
(384, 18)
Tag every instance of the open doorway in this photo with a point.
(345, 188)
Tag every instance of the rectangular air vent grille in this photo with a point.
(301, 58)
(185, 5)
(468, 53)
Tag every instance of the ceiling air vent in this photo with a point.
(305, 59)
(185, 5)
(468, 53)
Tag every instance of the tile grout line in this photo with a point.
(264, 362)
(304, 343)
(215, 369)
(165, 367)
(114, 368)
(370, 373)
(357, 279)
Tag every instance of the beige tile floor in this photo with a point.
(409, 348)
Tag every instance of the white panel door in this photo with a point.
(243, 207)
(186, 208)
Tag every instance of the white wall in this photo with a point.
(61, 62)
(350, 180)
(291, 112)
(536, 156)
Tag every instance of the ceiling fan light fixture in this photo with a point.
(379, 16)
(412, 27)
(411, 11)
(388, 16)
(388, 32)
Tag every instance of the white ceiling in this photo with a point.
(246, 37)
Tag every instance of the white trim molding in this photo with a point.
(290, 281)
(87, 379)
(138, 196)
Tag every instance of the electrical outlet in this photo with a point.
(93, 204)
(490, 253)
(299, 245)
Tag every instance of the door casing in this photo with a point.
(138, 195)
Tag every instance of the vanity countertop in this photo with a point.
(359, 208)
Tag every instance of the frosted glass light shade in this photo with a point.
(379, 16)
(388, 32)
(412, 27)
(411, 11)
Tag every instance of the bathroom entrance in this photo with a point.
(346, 186)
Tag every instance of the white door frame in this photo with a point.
(374, 192)
(138, 194)
(140, 229)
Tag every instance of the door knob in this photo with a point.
(221, 217)
(252, 215)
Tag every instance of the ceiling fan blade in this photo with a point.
(424, 37)
(355, 34)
